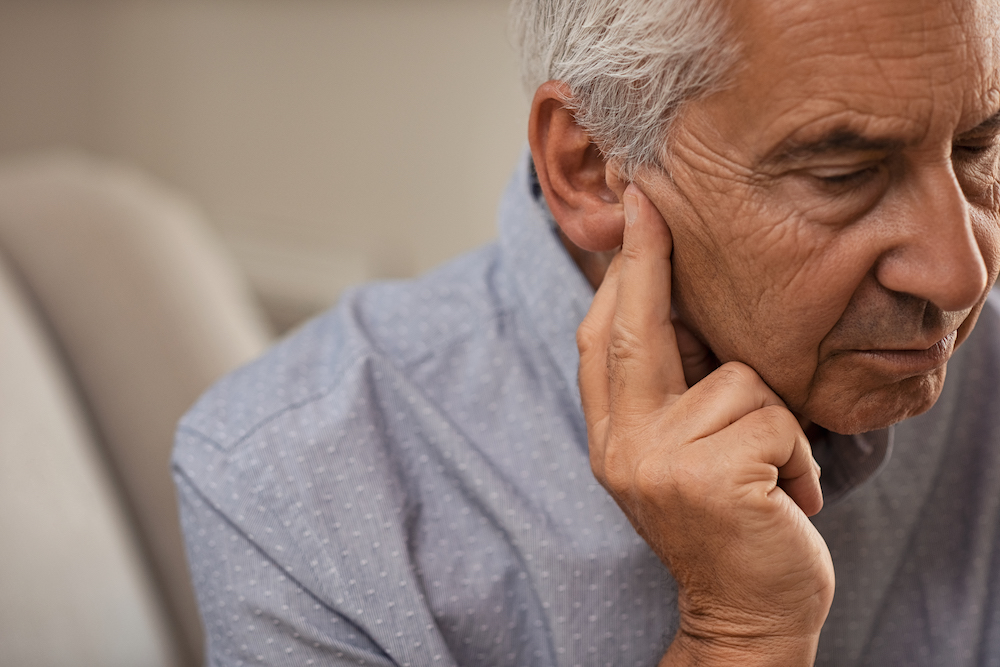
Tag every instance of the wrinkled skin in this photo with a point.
(827, 228)
(717, 478)
(834, 212)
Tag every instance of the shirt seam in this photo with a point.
(374, 351)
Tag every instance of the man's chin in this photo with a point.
(851, 410)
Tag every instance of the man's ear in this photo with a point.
(583, 192)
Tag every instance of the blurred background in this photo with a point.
(328, 141)
(182, 181)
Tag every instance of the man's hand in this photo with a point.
(718, 478)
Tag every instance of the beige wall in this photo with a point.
(330, 141)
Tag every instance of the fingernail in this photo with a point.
(631, 203)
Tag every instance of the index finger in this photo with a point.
(592, 341)
(644, 362)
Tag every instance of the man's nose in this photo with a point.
(932, 252)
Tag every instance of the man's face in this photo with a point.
(836, 212)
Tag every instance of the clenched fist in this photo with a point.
(718, 477)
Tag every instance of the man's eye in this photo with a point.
(974, 148)
(847, 177)
(977, 166)
(844, 179)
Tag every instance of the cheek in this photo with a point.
(795, 315)
(745, 269)
(715, 286)
(766, 287)
(759, 279)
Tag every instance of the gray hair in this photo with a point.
(629, 64)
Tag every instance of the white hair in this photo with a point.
(629, 64)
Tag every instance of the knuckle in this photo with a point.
(651, 480)
(737, 373)
(631, 252)
(771, 427)
(777, 415)
(586, 338)
(616, 482)
(614, 471)
(775, 421)
(624, 343)
(766, 428)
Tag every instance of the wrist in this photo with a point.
(743, 651)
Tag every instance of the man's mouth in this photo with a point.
(913, 360)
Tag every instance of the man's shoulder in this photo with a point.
(401, 325)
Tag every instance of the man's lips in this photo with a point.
(911, 361)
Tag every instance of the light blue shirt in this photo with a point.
(405, 481)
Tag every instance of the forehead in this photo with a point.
(917, 65)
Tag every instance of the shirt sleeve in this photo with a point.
(253, 613)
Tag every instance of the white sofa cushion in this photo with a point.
(147, 311)
(73, 587)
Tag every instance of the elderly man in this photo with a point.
(806, 199)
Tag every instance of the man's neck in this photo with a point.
(593, 265)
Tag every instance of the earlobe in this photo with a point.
(582, 190)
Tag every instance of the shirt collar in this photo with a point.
(848, 461)
(556, 296)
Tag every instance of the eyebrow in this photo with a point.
(846, 140)
(840, 140)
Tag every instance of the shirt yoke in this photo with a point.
(411, 324)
